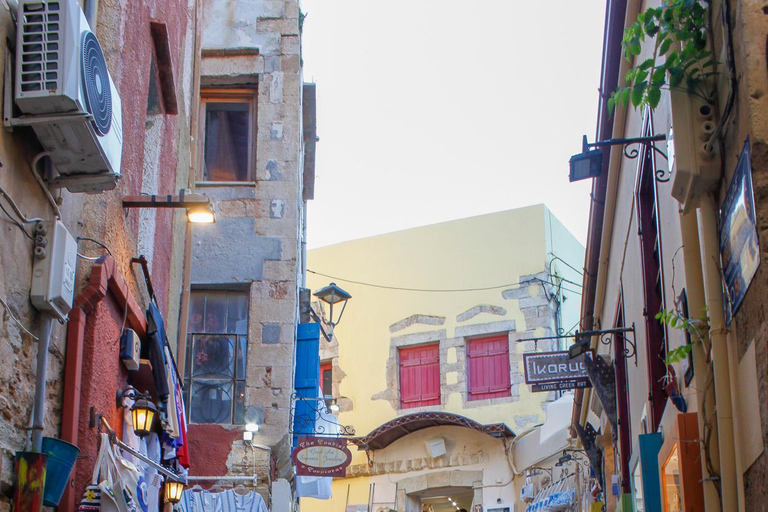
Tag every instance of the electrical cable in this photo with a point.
(18, 322)
(19, 224)
(33, 168)
(87, 239)
(555, 257)
(16, 209)
(89, 258)
(445, 290)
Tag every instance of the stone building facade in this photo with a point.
(657, 240)
(435, 310)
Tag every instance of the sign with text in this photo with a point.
(555, 371)
(321, 456)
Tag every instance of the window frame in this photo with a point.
(224, 95)
(429, 402)
(473, 395)
(238, 379)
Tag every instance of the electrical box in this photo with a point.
(53, 270)
(435, 447)
(130, 348)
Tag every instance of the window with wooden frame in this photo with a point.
(217, 343)
(419, 376)
(326, 378)
(488, 367)
(653, 279)
(227, 135)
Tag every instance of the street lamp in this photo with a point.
(143, 411)
(589, 163)
(333, 295)
(198, 206)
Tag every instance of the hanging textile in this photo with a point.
(156, 351)
(227, 501)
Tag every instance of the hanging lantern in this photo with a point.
(173, 491)
(143, 415)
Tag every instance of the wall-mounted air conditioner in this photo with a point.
(62, 84)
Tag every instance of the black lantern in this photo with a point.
(172, 491)
(143, 411)
(333, 295)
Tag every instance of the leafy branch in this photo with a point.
(674, 319)
(681, 57)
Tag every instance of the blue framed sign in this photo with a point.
(739, 249)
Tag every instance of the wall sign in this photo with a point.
(319, 456)
(739, 250)
(555, 371)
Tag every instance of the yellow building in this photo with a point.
(425, 363)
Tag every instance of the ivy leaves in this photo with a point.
(681, 58)
(675, 320)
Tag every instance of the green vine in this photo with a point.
(676, 320)
(681, 57)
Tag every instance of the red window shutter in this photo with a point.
(488, 368)
(419, 376)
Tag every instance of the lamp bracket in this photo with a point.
(662, 176)
(606, 338)
(304, 416)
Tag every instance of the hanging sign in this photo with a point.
(739, 248)
(555, 371)
(321, 456)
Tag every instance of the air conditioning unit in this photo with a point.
(63, 85)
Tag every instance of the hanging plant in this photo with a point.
(681, 57)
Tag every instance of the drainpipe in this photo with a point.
(694, 285)
(38, 413)
(710, 250)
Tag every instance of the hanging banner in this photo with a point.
(555, 371)
(739, 250)
(321, 456)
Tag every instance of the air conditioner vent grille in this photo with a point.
(98, 94)
(39, 53)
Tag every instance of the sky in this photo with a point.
(435, 110)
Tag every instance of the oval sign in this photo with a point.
(317, 456)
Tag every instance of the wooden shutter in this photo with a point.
(419, 376)
(488, 368)
(307, 378)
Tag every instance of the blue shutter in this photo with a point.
(306, 379)
(646, 453)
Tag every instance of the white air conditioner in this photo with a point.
(63, 85)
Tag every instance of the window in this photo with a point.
(653, 280)
(419, 376)
(216, 356)
(326, 378)
(488, 368)
(228, 131)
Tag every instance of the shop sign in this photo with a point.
(739, 248)
(555, 371)
(321, 456)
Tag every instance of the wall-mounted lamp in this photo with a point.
(198, 206)
(333, 295)
(589, 163)
(143, 411)
(172, 491)
(250, 429)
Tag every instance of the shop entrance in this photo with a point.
(449, 499)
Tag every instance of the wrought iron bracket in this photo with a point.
(307, 412)
(606, 338)
(662, 176)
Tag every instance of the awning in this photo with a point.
(391, 431)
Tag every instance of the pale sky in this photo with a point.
(434, 110)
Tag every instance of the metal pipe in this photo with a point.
(710, 248)
(89, 9)
(38, 413)
(223, 478)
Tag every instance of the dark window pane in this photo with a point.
(327, 377)
(196, 312)
(213, 356)
(226, 141)
(237, 319)
(211, 402)
(242, 343)
(239, 403)
(216, 313)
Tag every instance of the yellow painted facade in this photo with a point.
(502, 273)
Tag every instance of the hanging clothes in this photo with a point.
(234, 502)
(226, 501)
(158, 340)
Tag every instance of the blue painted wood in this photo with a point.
(646, 453)
(306, 378)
